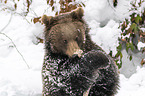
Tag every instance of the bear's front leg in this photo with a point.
(79, 84)
(84, 72)
(89, 65)
(100, 69)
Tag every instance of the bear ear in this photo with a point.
(46, 19)
(78, 13)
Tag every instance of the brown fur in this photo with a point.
(66, 32)
(82, 74)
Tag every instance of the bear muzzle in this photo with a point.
(73, 49)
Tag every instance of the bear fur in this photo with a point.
(73, 64)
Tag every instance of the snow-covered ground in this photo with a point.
(16, 79)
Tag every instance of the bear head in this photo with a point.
(65, 34)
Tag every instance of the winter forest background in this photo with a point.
(118, 26)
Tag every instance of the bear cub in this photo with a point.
(73, 64)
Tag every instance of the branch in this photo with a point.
(12, 40)
(16, 48)
(7, 23)
(111, 6)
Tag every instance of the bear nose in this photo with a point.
(78, 52)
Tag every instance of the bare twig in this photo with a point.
(111, 5)
(24, 17)
(7, 23)
(16, 48)
(12, 40)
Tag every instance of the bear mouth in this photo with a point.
(78, 52)
(74, 53)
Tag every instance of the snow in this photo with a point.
(140, 45)
(133, 86)
(129, 67)
(102, 11)
(16, 79)
(20, 83)
(110, 33)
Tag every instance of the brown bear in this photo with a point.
(73, 64)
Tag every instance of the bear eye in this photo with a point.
(77, 38)
(65, 41)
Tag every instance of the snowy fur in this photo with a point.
(92, 73)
